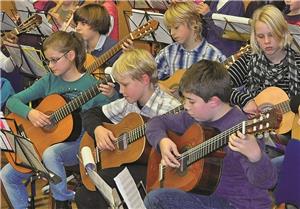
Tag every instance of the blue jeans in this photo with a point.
(55, 158)
(177, 199)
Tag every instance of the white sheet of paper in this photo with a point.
(101, 185)
(128, 190)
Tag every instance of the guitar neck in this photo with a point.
(74, 104)
(283, 106)
(106, 56)
(135, 134)
(139, 132)
(198, 152)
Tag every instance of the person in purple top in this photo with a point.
(247, 172)
(213, 33)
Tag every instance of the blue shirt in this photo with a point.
(175, 56)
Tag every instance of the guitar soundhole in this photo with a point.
(50, 128)
(182, 171)
(122, 141)
(266, 107)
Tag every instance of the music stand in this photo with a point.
(26, 9)
(295, 32)
(136, 18)
(149, 4)
(25, 153)
(7, 24)
(44, 29)
(234, 27)
(28, 60)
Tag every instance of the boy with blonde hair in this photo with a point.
(136, 73)
(184, 23)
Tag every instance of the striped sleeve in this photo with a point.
(238, 72)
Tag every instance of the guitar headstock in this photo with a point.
(269, 120)
(29, 24)
(145, 29)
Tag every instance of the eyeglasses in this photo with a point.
(55, 60)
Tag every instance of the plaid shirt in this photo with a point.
(175, 56)
(159, 103)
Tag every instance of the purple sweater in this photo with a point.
(242, 183)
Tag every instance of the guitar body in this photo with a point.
(135, 151)
(272, 96)
(90, 61)
(296, 128)
(42, 138)
(173, 81)
(201, 176)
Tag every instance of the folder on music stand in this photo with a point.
(7, 24)
(25, 153)
(295, 32)
(136, 18)
(28, 60)
(234, 27)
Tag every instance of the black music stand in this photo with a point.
(234, 27)
(25, 152)
(7, 24)
(137, 18)
(28, 60)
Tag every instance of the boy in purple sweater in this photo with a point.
(247, 172)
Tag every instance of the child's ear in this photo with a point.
(145, 79)
(214, 101)
(71, 55)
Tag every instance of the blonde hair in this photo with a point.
(183, 12)
(273, 18)
(135, 63)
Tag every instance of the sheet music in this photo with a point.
(34, 66)
(6, 144)
(7, 24)
(128, 190)
(102, 186)
(138, 18)
(241, 24)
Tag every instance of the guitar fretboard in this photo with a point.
(108, 54)
(283, 106)
(212, 144)
(74, 104)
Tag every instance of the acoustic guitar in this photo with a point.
(296, 127)
(200, 164)
(274, 97)
(66, 122)
(173, 81)
(26, 26)
(140, 32)
(131, 145)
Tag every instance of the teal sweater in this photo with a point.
(50, 84)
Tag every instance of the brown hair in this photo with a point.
(206, 79)
(95, 15)
(63, 42)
